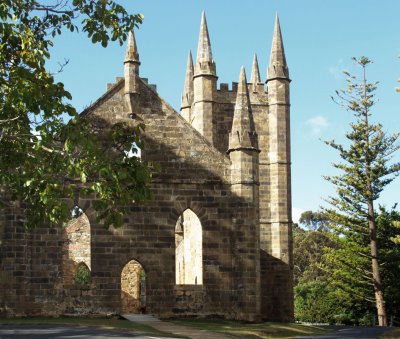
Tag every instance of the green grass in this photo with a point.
(103, 323)
(395, 333)
(235, 328)
(252, 331)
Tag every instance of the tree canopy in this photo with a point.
(324, 298)
(46, 159)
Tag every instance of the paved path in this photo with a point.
(350, 332)
(191, 332)
(27, 331)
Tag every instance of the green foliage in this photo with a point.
(82, 275)
(322, 297)
(308, 251)
(314, 220)
(390, 257)
(44, 161)
(396, 239)
(315, 299)
(366, 169)
(318, 302)
(349, 267)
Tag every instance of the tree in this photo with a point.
(314, 220)
(308, 249)
(45, 160)
(364, 173)
(387, 221)
(317, 302)
(315, 299)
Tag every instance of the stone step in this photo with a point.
(140, 317)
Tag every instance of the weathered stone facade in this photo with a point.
(225, 160)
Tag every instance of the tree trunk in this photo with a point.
(376, 276)
(378, 286)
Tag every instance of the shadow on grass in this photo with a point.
(250, 330)
(114, 323)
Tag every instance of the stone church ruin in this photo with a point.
(215, 240)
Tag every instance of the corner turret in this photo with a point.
(275, 189)
(131, 72)
(243, 134)
(243, 146)
(204, 87)
(278, 83)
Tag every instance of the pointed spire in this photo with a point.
(204, 62)
(242, 126)
(204, 52)
(132, 54)
(131, 73)
(187, 96)
(277, 64)
(278, 51)
(255, 74)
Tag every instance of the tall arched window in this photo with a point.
(188, 249)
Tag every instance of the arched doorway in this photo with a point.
(188, 249)
(133, 288)
(76, 249)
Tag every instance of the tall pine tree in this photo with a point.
(365, 170)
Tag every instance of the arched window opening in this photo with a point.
(76, 247)
(82, 275)
(133, 288)
(188, 249)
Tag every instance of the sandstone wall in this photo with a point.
(193, 175)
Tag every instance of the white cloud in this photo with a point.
(337, 70)
(317, 124)
(296, 213)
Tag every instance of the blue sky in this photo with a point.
(320, 38)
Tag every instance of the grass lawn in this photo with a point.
(252, 331)
(104, 323)
(395, 333)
